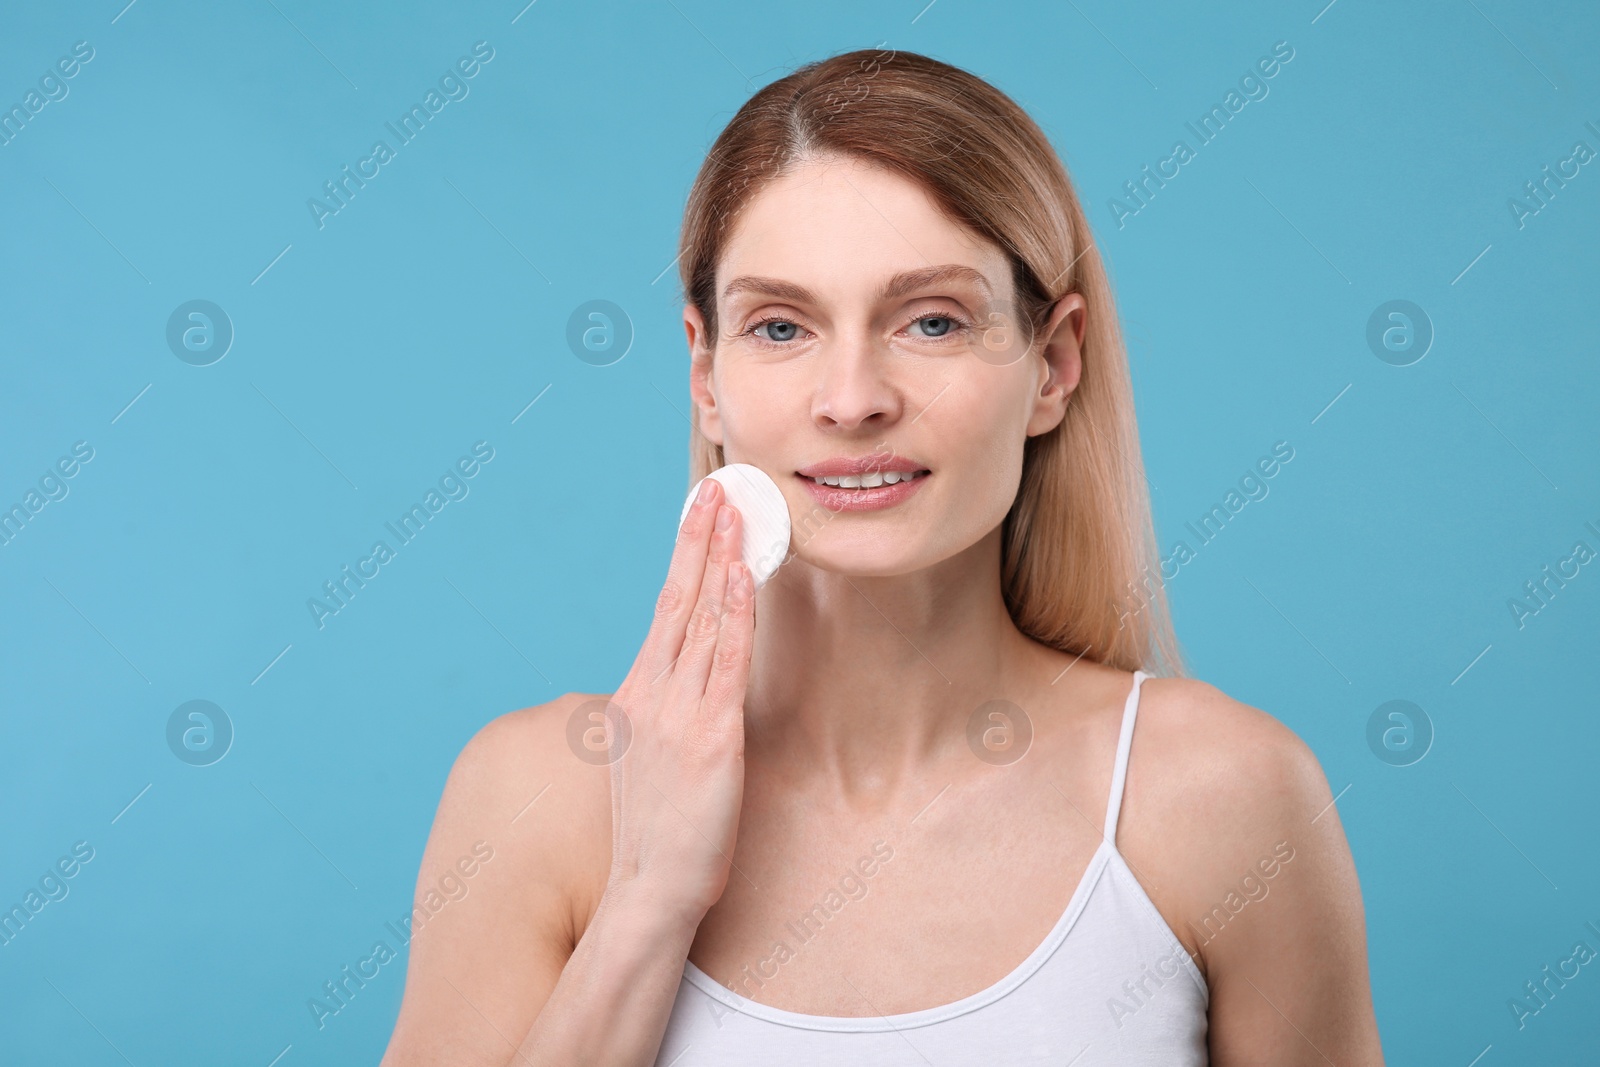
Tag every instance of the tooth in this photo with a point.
(870, 480)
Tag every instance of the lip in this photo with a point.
(876, 462)
(836, 499)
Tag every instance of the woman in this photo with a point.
(907, 818)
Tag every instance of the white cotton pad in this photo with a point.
(765, 513)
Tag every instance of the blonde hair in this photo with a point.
(1079, 567)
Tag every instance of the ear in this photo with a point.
(1062, 365)
(702, 387)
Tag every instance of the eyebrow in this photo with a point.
(901, 284)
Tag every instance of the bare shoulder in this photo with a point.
(1222, 753)
(520, 748)
(1230, 826)
(518, 847)
(523, 780)
(1219, 792)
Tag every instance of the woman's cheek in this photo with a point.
(992, 477)
(758, 410)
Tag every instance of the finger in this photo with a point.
(681, 590)
(730, 662)
(688, 683)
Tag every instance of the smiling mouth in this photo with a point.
(869, 480)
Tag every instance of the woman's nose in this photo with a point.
(855, 387)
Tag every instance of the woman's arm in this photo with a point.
(1292, 986)
(494, 977)
(632, 851)
(1261, 879)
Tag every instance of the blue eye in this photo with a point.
(782, 329)
(945, 324)
(938, 327)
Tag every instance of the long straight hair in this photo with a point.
(1079, 567)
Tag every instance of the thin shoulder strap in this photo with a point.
(1119, 773)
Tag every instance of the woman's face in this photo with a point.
(856, 322)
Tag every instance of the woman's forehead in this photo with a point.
(845, 227)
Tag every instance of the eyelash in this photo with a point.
(963, 324)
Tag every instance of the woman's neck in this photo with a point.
(864, 682)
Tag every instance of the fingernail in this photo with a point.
(724, 517)
(704, 496)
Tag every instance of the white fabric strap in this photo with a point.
(1119, 773)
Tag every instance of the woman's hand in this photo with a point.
(677, 788)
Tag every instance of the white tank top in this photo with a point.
(1111, 984)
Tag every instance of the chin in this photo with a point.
(865, 559)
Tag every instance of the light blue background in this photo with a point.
(427, 314)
